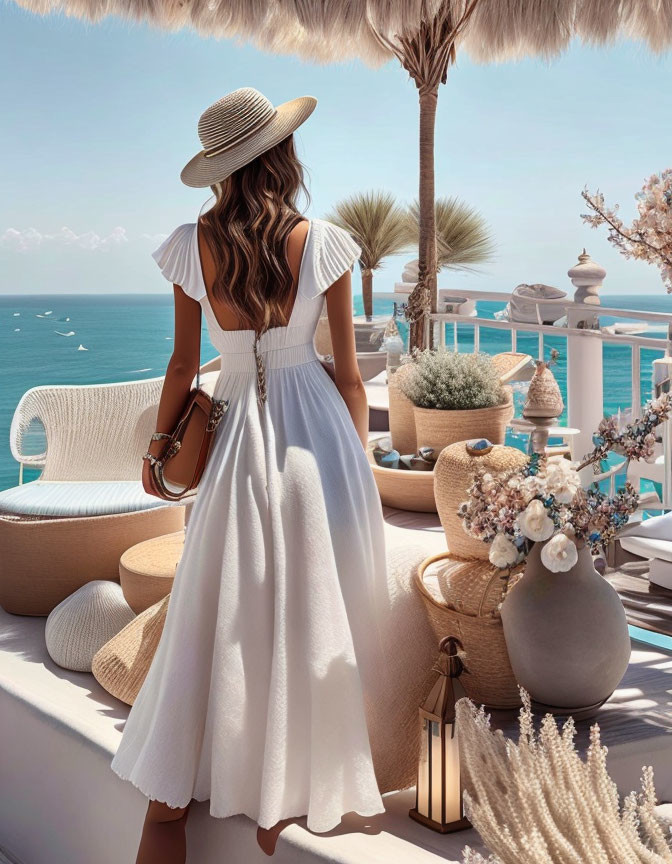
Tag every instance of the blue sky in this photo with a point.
(98, 121)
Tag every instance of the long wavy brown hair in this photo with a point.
(246, 231)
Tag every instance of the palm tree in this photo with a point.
(381, 227)
(462, 235)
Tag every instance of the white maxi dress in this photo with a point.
(272, 642)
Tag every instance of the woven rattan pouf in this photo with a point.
(147, 570)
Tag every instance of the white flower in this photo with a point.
(502, 552)
(559, 554)
(562, 480)
(487, 482)
(534, 522)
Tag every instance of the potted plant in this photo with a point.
(456, 397)
(564, 625)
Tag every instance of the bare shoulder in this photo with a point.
(299, 231)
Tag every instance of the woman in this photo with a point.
(258, 694)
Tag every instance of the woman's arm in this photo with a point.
(346, 371)
(182, 367)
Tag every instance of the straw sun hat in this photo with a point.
(238, 128)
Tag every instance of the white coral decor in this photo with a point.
(560, 554)
(535, 523)
(502, 552)
(562, 480)
(538, 802)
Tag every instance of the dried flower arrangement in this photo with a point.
(649, 238)
(538, 802)
(544, 501)
(448, 380)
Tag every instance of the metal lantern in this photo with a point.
(438, 803)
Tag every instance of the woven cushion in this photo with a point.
(122, 664)
(58, 498)
(84, 622)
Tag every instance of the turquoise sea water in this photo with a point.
(129, 337)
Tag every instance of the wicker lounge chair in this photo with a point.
(88, 506)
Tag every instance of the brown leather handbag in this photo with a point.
(178, 470)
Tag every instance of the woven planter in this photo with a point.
(453, 475)
(401, 416)
(438, 428)
(122, 664)
(463, 602)
(405, 490)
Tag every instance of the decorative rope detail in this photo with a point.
(418, 302)
(261, 372)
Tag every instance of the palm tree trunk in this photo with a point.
(423, 296)
(367, 292)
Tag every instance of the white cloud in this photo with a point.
(30, 239)
(155, 239)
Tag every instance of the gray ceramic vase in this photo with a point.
(566, 634)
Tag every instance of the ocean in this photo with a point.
(129, 337)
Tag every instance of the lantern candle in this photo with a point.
(438, 803)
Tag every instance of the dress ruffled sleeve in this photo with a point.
(335, 252)
(179, 261)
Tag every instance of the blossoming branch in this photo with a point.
(649, 238)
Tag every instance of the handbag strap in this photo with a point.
(200, 325)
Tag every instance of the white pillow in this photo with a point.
(84, 622)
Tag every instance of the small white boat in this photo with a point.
(82, 348)
(525, 308)
(17, 329)
(69, 333)
(147, 369)
(16, 314)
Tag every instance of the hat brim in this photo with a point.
(206, 170)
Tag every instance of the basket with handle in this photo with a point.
(464, 602)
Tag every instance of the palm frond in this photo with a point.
(462, 235)
(378, 224)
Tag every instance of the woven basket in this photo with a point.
(463, 602)
(453, 475)
(403, 489)
(401, 417)
(438, 428)
(122, 664)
